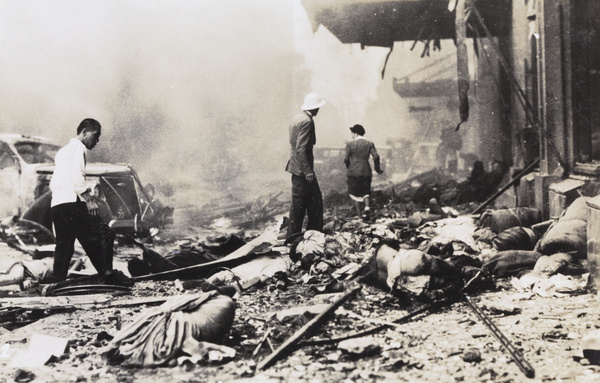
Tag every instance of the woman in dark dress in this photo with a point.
(356, 159)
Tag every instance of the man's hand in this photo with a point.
(309, 177)
(92, 207)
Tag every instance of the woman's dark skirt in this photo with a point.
(359, 187)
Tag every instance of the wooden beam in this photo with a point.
(306, 330)
(75, 302)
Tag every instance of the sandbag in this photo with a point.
(515, 238)
(564, 237)
(578, 209)
(558, 263)
(158, 335)
(511, 262)
(484, 234)
(502, 219)
(568, 234)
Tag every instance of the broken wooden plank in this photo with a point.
(137, 302)
(260, 343)
(75, 302)
(44, 303)
(307, 329)
(351, 335)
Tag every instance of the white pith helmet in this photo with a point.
(312, 101)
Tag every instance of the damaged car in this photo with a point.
(26, 167)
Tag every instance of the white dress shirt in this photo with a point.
(68, 180)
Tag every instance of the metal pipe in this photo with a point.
(522, 173)
(517, 356)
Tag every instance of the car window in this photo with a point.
(36, 153)
(121, 194)
(7, 158)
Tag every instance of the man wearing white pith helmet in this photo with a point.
(306, 194)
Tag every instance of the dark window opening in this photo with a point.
(585, 40)
(121, 195)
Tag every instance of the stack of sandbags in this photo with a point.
(568, 234)
(502, 219)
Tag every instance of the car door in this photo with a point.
(9, 181)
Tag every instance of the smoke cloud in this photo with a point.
(198, 94)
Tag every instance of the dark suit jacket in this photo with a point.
(357, 157)
(302, 140)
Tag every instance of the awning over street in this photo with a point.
(380, 23)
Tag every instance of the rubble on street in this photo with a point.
(422, 291)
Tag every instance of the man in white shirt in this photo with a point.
(72, 204)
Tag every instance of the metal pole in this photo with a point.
(523, 172)
(517, 356)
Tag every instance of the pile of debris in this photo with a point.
(419, 258)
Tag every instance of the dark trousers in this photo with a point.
(306, 199)
(72, 221)
(106, 236)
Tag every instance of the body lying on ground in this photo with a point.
(412, 273)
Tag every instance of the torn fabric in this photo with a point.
(158, 335)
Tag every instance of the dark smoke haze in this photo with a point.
(195, 93)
